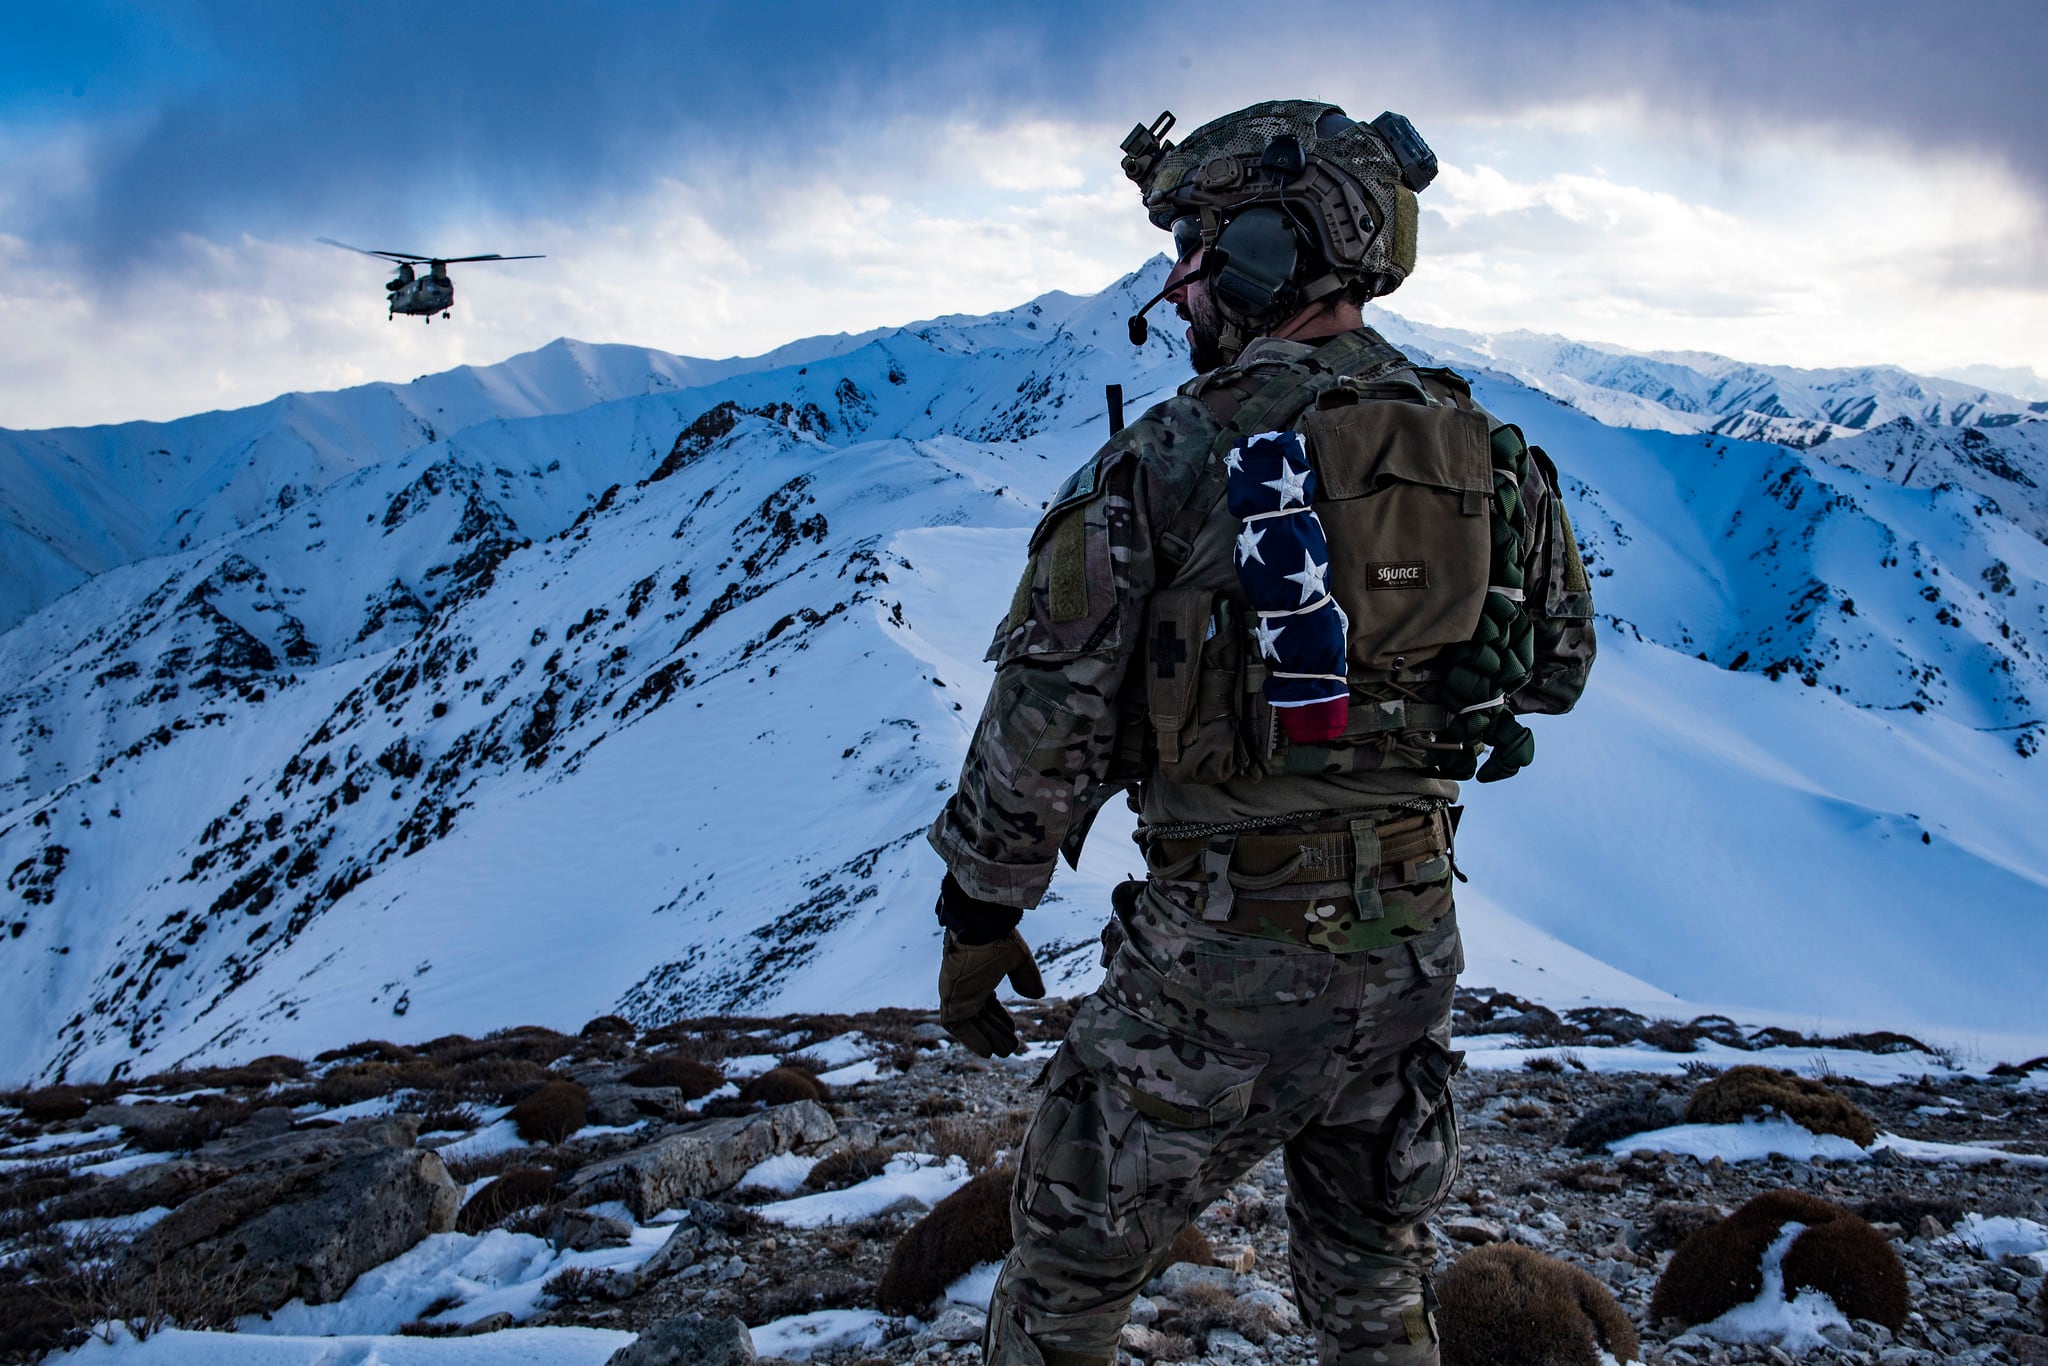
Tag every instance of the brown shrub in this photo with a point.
(848, 1167)
(532, 1042)
(1750, 1091)
(1854, 1265)
(938, 1103)
(1191, 1245)
(782, 1085)
(371, 1050)
(1507, 1303)
(687, 1075)
(464, 1170)
(967, 1228)
(27, 1187)
(518, 1189)
(54, 1104)
(2041, 1305)
(504, 1079)
(264, 1071)
(440, 1117)
(608, 1024)
(980, 1140)
(553, 1112)
(1720, 1266)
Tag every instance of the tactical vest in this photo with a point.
(1420, 498)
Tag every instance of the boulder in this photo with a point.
(689, 1340)
(166, 1184)
(698, 1159)
(614, 1105)
(304, 1213)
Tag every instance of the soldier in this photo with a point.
(1285, 611)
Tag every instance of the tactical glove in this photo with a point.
(968, 1008)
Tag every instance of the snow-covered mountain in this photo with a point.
(548, 705)
(1696, 391)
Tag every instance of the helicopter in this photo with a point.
(422, 295)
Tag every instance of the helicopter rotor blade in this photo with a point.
(387, 255)
(494, 256)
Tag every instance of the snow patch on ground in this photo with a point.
(977, 1287)
(513, 1347)
(783, 1173)
(909, 1179)
(1754, 1140)
(825, 1330)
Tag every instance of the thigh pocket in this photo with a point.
(1422, 1160)
(1135, 1114)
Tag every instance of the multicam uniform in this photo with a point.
(1285, 978)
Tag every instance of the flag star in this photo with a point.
(1234, 462)
(1312, 579)
(1248, 546)
(1268, 634)
(1290, 485)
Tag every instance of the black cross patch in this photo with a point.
(1169, 651)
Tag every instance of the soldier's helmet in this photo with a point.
(1297, 200)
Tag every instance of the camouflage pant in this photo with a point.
(1202, 1052)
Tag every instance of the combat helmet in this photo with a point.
(1295, 201)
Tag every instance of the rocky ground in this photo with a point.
(762, 1170)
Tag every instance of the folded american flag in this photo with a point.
(1283, 561)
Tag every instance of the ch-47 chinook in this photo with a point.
(417, 294)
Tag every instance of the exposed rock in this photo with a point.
(689, 1340)
(578, 1230)
(960, 1324)
(699, 1159)
(166, 1184)
(614, 1104)
(1467, 1229)
(306, 1212)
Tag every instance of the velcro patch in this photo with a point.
(1406, 574)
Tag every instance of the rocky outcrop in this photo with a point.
(305, 1212)
(689, 1340)
(699, 1159)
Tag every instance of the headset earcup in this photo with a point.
(1260, 256)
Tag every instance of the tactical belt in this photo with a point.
(1324, 859)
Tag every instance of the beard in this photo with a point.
(1205, 333)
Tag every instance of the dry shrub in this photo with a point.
(1507, 1303)
(848, 1167)
(504, 1079)
(463, 1170)
(781, 1086)
(608, 1024)
(1190, 1245)
(1854, 1265)
(1750, 1091)
(421, 1328)
(1633, 1114)
(1673, 1221)
(54, 1104)
(1542, 1062)
(967, 1228)
(268, 1070)
(532, 1042)
(438, 1116)
(368, 1050)
(571, 1285)
(979, 1140)
(518, 1189)
(2041, 1305)
(1720, 1266)
(1908, 1210)
(938, 1103)
(1199, 1309)
(35, 1319)
(687, 1075)
(553, 1112)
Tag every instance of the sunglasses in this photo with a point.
(1187, 237)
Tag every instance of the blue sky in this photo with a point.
(1822, 183)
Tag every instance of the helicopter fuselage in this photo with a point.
(424, 296)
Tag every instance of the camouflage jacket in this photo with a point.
(1054, 738)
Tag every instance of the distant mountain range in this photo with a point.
(608, 679)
